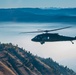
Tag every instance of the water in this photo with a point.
(62, 52)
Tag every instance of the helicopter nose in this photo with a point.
(33, 39)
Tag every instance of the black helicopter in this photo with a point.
(50, 37)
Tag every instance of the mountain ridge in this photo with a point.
(21, 62)
(67, 15)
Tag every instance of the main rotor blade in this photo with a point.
(46, 30)
(32, 32)
(58, 29)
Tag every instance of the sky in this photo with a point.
(37, 3)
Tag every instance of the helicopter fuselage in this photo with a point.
(52, 37)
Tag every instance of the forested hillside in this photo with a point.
(17, 61)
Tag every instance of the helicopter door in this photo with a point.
(42, 40)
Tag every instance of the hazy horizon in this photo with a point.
(62, 52)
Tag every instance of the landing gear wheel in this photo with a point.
(72, 42)
(42, 42)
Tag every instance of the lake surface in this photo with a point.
(62, 52)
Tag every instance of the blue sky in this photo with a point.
(37, 3)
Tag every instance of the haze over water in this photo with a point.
(62, 52)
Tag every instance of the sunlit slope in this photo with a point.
(5, 70)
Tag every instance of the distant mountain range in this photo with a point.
(17, 61)
(66, 15)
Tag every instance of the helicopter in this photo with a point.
(50, 37)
